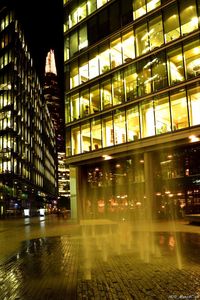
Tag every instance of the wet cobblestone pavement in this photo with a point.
(104, 266)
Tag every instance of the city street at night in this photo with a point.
(99, 150)
(51, 258)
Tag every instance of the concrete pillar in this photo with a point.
(73, 193)
(149, 185)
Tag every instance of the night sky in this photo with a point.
(42, 21)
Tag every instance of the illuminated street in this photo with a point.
(49, 258)
(99, 124)
(18, 230)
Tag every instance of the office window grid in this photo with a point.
(21, 106)
(167, 68)
(162, 27)
(78, 10)
(123, 49)
(162, 114)
(145, 68)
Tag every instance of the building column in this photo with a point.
(73, 193)
(149, 185)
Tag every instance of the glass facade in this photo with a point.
(135, 79)
(109, 57)
(163, 113)
(138, 76)
(117, 188)
(27, 142)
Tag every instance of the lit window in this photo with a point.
(179, 110)
(175, 63)
(96, 134)
(101, 2)
(119, 128)
(171, 23)
(83, 70)
(83, 40)
(139, 8)
(85, 138)
(192, 57)
(147, 119)
(93, 65)
(128, 46)
(152, 4)
(133, 127)
(194, 105)
(108, 133)
(162, 115)
(104, 59)
(116, 53)
(188, 16)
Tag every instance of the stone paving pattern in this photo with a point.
(92, 266)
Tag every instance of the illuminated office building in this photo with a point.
(63, 180)
(132, 104)
(27, 139)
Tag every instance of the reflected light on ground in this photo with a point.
(193, 138)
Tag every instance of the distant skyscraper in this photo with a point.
(27, 139)
(50, 66)
(53, 97)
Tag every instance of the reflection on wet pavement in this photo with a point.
(104, 266)
(39, 271)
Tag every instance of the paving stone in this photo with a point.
(56, 268)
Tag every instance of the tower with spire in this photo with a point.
(53, 98)
(50, 66)
(55, 103)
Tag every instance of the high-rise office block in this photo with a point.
(27, 141)
(52, 94)
(54, 101)
(132, 105)
(63, 181)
